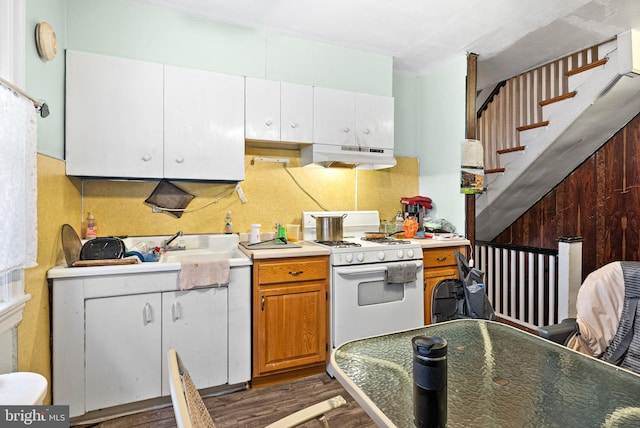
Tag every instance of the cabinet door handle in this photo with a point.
(262, 303)
(268, 123)
(294, 125)
(346, 129)
(176, 311)
(441, 259)
(146, 157)
(366, 131)
(296, 272)
(147, 314)
(179, 159)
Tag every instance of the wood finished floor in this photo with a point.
(259, 407)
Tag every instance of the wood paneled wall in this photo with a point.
(599, 201)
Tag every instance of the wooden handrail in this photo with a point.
(489, 99)
(516, 104)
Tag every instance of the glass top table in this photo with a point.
(498, 376)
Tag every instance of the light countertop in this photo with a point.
(306, 249)
(428, 243)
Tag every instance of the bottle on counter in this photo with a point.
(91, 228)
(399, 221)
(429, 381)
(281, 233)
(228, 225)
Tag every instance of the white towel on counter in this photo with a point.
(204, 272)
(399, 273)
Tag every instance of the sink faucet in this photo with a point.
(170, 240)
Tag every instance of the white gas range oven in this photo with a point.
(376, 285)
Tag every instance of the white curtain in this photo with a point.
(18, 182)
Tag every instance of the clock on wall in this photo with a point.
(46, 41)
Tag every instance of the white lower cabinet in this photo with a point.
(195, 323)
(122, 358)
(124, 334)
(111, 334)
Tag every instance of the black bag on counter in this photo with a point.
(103, 249)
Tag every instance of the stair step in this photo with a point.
(558, 98)
(532, 126)
(511, 150)
(586, 67)
(494, 171)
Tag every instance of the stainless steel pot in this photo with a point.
(329, 227)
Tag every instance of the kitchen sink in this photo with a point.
(180, 256)
(195, 247)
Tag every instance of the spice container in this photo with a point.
(254, 237)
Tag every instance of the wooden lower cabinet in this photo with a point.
(290, 318)
(439, 264)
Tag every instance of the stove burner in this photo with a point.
(339, 244)
(386, 241)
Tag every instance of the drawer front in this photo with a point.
(290, 270)
(439, 257)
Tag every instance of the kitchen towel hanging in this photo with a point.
(401, 273)
(200, 272)
(18, 182)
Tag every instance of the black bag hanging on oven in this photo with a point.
(477, 303)
(462, 298)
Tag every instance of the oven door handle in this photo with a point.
(369, 270)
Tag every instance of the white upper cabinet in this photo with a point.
(262, 109)
(278, 111)
(334, 117)
(113, 117)
(296, 113)
(374, 121)
(203, 125)
(135, 119)
(352, 119)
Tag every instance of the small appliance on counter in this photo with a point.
(416, 207)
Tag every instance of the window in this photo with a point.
(12, 51)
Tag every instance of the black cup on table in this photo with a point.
(429, 381)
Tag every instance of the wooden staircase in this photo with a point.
(542, 124)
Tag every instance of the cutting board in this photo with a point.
(109, 262)
(269, 246)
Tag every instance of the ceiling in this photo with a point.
(509, 36)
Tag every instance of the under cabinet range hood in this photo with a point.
(331, 156)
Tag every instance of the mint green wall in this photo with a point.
(130, 29)
(429, 119)
(319, 64)
(441, 129)
(405, 93)
(45, 80)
